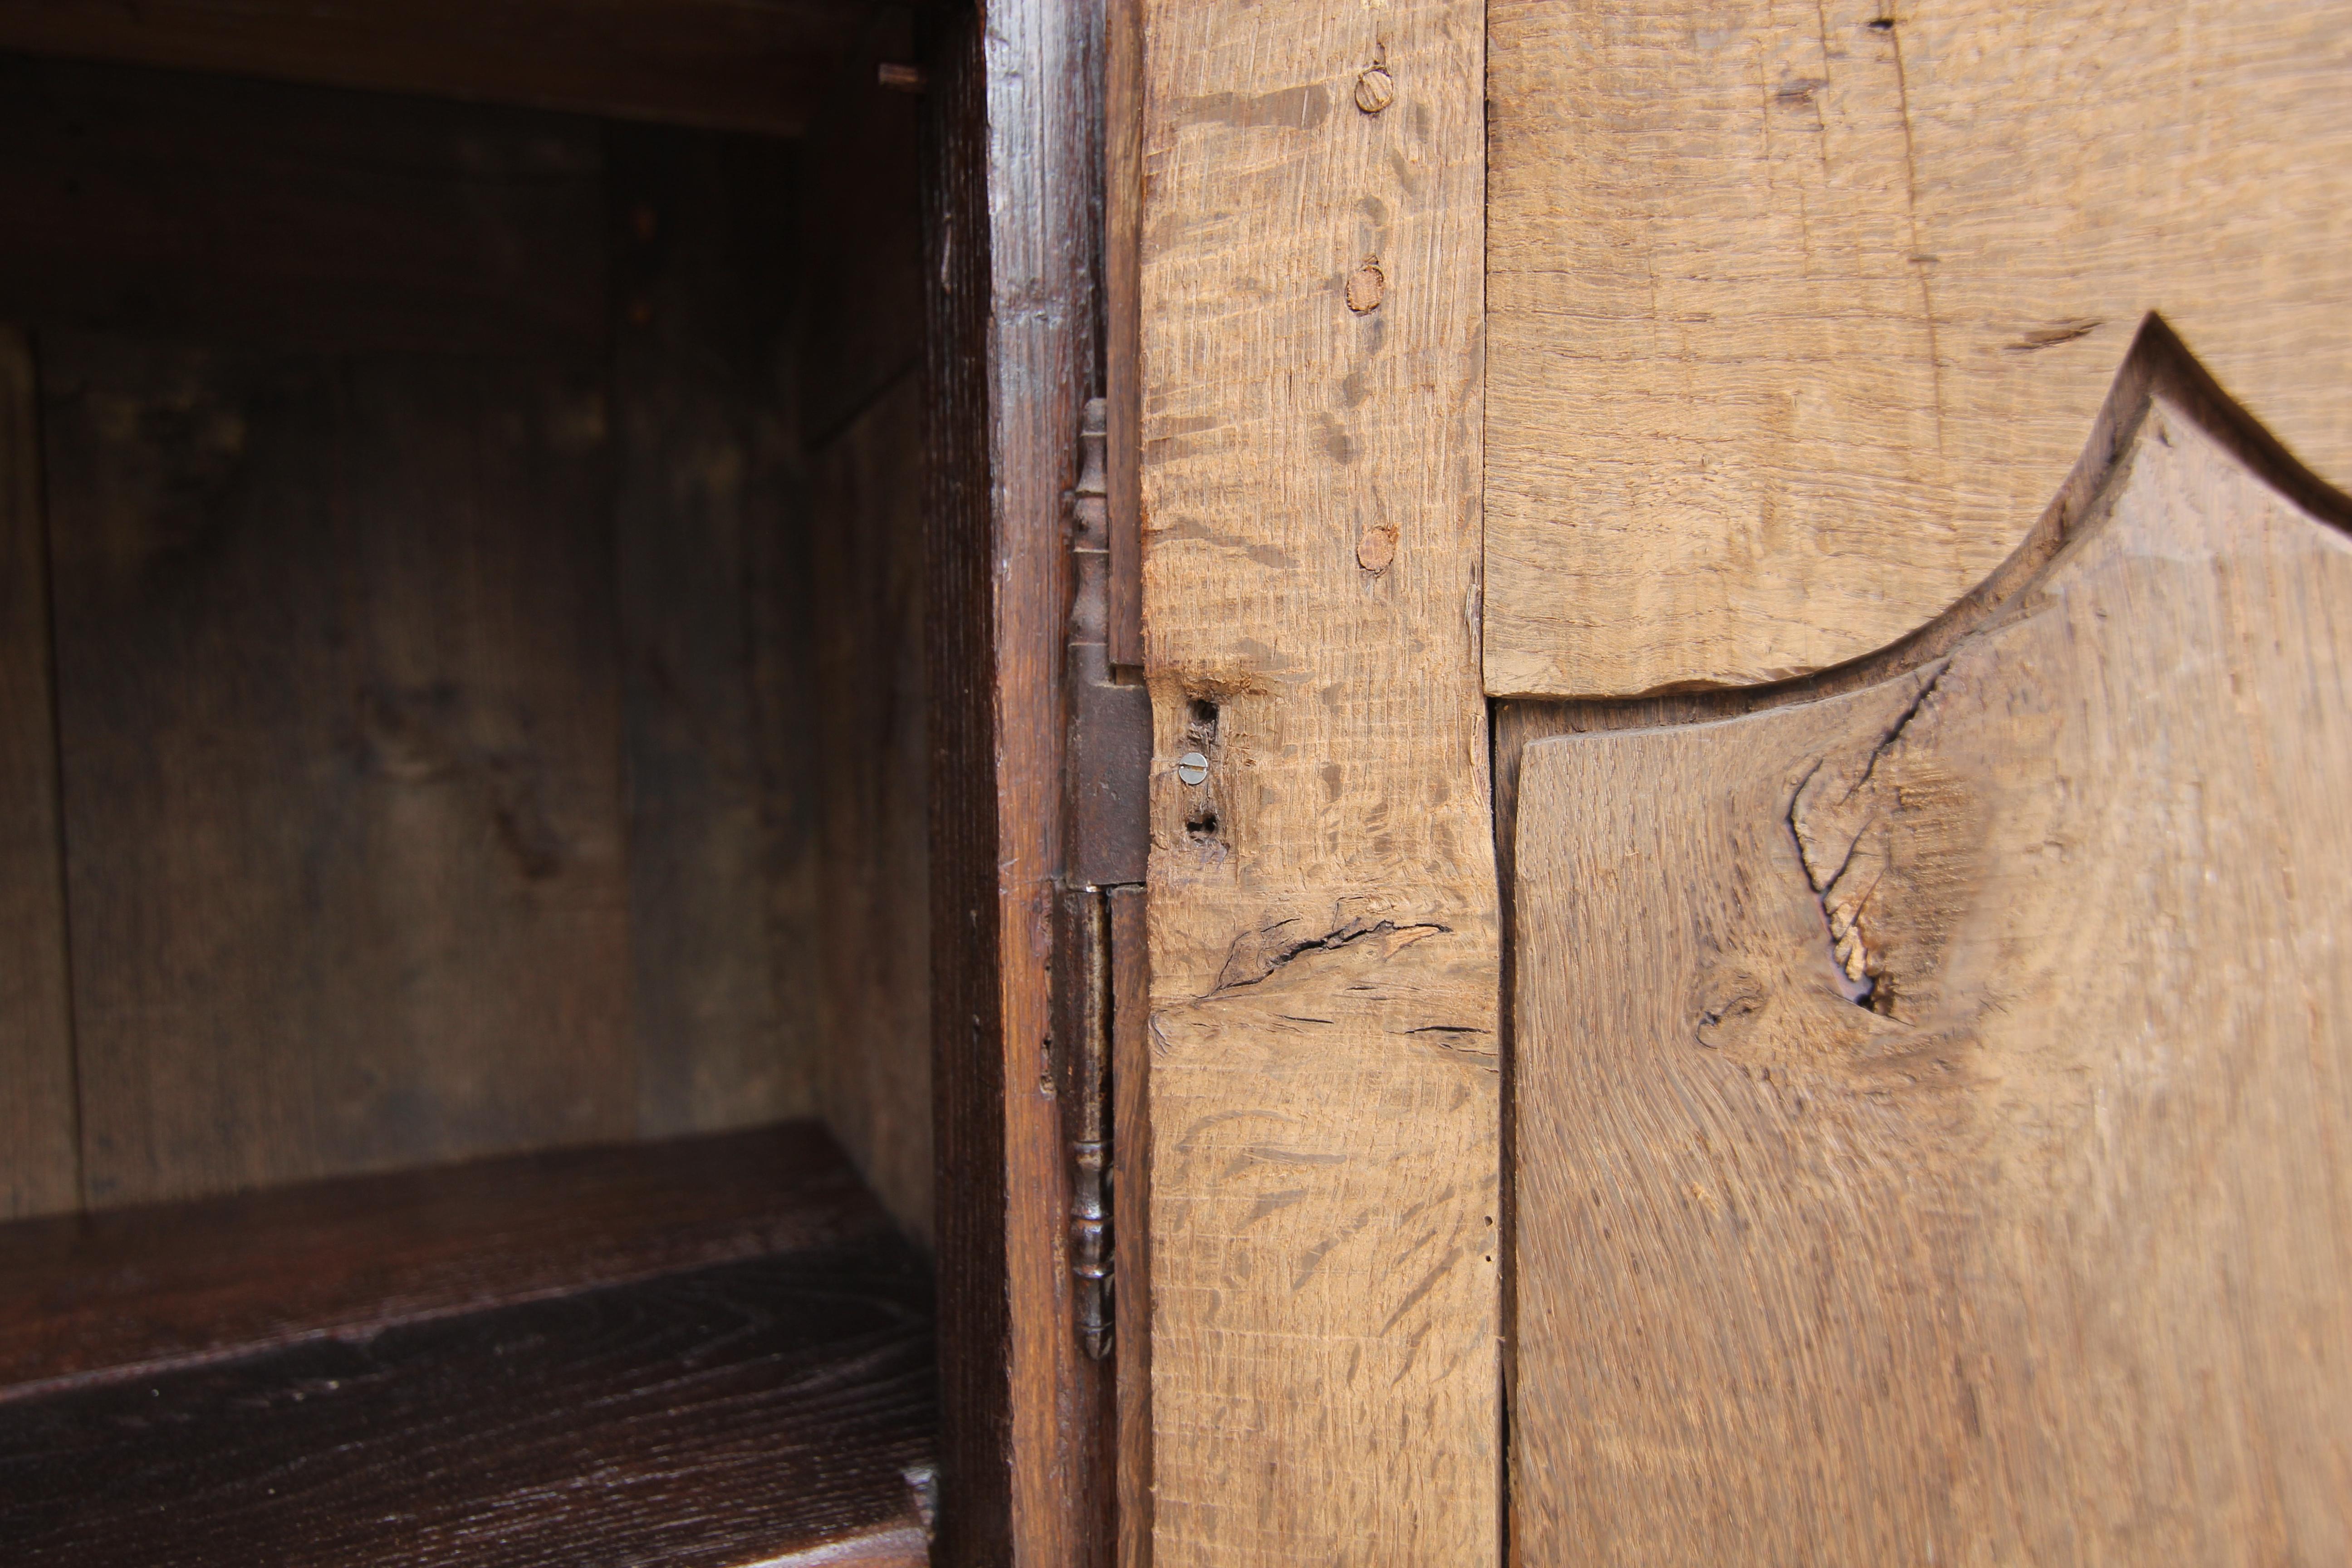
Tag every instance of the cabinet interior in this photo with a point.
(464, 697)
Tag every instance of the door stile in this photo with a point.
(1324, 1084)
(1013, 127)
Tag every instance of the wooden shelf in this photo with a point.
(712, 1352)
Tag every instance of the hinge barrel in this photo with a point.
(1091, 1217)
(1109, 757)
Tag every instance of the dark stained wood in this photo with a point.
(1130, 956)
(1009, 240)
(1123, 321)
(873, 933)
(163, 1284)
(757, 1412)
(745, 65)
(969, 1080)
(339, 723)
(861, 225)
(704, 471)
(224, 211)
(862, 424)
(39, 1160)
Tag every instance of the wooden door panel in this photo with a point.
(1799, 312)
(1930, 1097)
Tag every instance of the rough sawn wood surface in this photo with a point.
(1930, 1100)
(1800, 310)
(1324, 1093)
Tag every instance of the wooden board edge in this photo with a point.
(41, 1165)
(2159, 363)
(2157, 366)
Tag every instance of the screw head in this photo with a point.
(1375, 90)
(1192, 768)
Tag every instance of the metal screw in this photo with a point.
(1192, 768)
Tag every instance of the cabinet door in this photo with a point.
(1867, 482)
(1913, 442)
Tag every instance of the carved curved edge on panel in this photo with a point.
(1716, 976)
(2158, 366)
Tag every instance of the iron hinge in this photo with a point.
(1108, 758)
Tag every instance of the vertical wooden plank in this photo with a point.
(1123, 77)
(1130, 957)
(703, 466)
(873, 929)
(968, 1036)
(1044, 124)
(1010, 244)
(340, 734)
(861, 415)
(39, 1162)
(1324, 1098)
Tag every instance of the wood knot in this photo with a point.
(1366, 287)
(1375, 90)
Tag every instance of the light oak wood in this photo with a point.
(39, 1160)
(1323, 1100)
(1929, 1098)
(1800, 310)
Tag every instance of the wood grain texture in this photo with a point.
(873, 932)
(1800, 312)
(861, 252)
(1130, 956)
(1928, 1095)
(758, 1413)
(968, 1040)
(743, 65)
(1323, 1094)
(867, 737)
(1042, 132)
(1011, 139)
(705, 471)
(250, 212)
(1123, 90)
(41, 1160)
(142, 1288)
(340, 727)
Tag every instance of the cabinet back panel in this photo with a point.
(38, 1161)
(432, 632)
(340, 727)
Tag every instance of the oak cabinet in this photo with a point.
(1176, 782)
